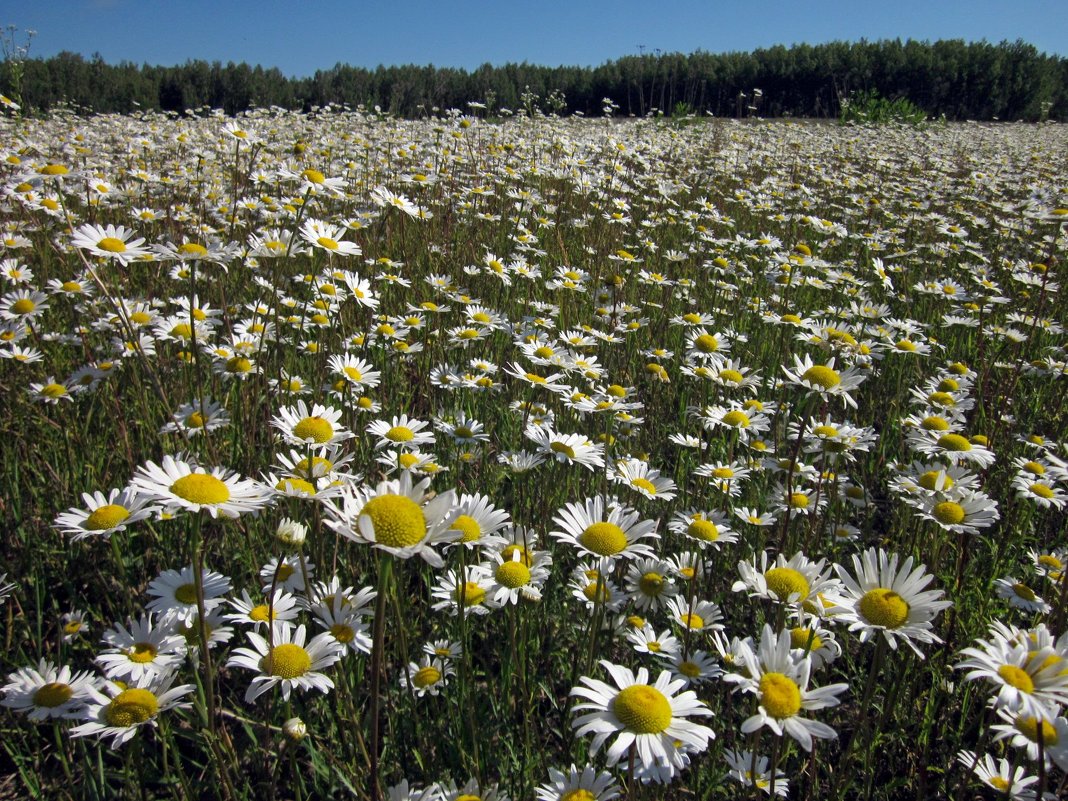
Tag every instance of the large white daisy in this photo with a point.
(287, 661)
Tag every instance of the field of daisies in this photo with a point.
(551, 459)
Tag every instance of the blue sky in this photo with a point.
(301, 36)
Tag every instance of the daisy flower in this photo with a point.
(824, 380)
(1029, 680)
(249, 612)
(817, 644)
(956, 449)
(566, 448)
(325, 236)
(578, 785)
(1020, 596)
(287, 661)
(472, 595)
(285, 573)
(1023, 731)
(595, 531)
(780, 684)
(144, 649)
(47, 691)
(1044, 493)
(103, 515)
(476, 518)
(406, 792)
(119, 710)
(174, 593)
(642, 478)
(345, 623)
(450, 792)
(752, 771)
(396, 517)
(649, 583)
(650, 718)
(960, 511)
(317, 426)
(176, 484)
(704, 528)
(402, 432)
(518, 577)
(196, 418)
(1000, 776)
(645, 640)
(796, 581)
(694, 668)
(355, 371)
(695, 615)
(878, 596)
(109, 242)
(427, 676)
(23, 305)
(72, 625)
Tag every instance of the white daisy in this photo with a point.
(119, 711)
(316, 426)
(287, 661)
(104, 515)
(47, 691)
(144, 649)
(650, 718)
(177, 484)
(595, 531)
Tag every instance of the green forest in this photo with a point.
(960, 80)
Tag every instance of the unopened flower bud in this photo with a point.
(291, 533)
(295, 729)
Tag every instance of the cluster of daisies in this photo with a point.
(668, 368)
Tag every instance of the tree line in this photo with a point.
(954, 78)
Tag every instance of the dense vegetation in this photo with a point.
(979, 81)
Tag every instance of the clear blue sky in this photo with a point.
(301, 36)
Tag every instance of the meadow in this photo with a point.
(538, 458)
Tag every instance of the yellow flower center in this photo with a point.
(1023, 591)
(193, 249)
(469, 594)
(106, 517)
(261, 613)
(642, 709)
(469, 529)
(508, 552)
(195, 420)
(954, 442)
(201, 488)
(785, 582)
(397, 519)
(779, 695)
(56, 694)
(313, 176)
(644, 484)
(704, 530)
(314, 428)
(23, 306)
(883, 607)
(426, 677)
(142, 652)
(342, 633)
(578, 795)
(291, 484)
(400, 434)
(798, 500)
(1041, 490)
(186, 594)
(287, 661)
(692, 621)
(825, 431)
(112, 245)
(131, 707)
(651, 584)
(560, 447)
(706, 343)
(822, 376)
(948, 513)
(804, 638)
(1028, 727)
(327, 242)
(934, 423)
(603, 538)
(1017, 677)
(736, 419)
(513, 574)
(238, 364)
(929, 480)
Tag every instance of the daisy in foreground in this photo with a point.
(596, 531)
(779, 680)
(120, 710)
(649, 718)
(881, 597)
(397, 517)
(286, 660)
(1006, 779)
(176, 484)
(578, 785)
(47, 691)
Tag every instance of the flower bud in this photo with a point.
(291, 533)
(295, 729)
